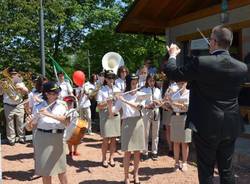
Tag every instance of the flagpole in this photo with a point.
(88, 65)
(42, 53)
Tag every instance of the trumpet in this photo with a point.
(9, 86)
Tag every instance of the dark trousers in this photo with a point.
(211, 151)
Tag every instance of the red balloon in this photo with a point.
(79, 78)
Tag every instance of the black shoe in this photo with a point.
(22, 142)
(171, 153)
(11, 143)
(144, 157)
(105, 164)
(154, 157)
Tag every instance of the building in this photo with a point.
(179, 20)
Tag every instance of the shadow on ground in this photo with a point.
(19, 156)
(18, 175)
(100, 182)
(82, 165)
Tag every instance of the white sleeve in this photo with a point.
(99, 97)
(116, 108)
(69, 87)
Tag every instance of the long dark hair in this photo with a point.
(129, 78)
(120, 69)
(150, 76)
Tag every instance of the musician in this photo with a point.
(72, 115)
(109, 125)
(13, 109)
(179, 135)
(35, 96)
(213, 112)
(167, 113)
(95, 86)
(84, 104)
(132, 135)
(50, 119)
(143, 72)
(121, 82)
(66, 88)
(152, 116)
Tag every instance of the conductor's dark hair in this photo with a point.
(223, 36)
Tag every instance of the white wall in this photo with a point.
(235, 16)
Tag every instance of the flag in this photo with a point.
(57, 68)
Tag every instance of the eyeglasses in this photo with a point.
(125, 71)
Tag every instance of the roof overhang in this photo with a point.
(154, 16)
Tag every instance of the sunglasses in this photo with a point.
(52, 93)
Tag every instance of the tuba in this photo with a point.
(9, 87)
(112, 61)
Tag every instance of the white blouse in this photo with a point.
(180, 98)
(106, 92)
(121, 84)
(154, 92)
(127, 110)
(48, 123)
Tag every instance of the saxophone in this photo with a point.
(7, 85)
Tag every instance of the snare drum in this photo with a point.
(75, 131)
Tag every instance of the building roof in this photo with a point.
(153, 16)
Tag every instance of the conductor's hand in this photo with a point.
(173, 50)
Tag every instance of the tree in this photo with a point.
(71, 28)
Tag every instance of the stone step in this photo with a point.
(242, 152)
(246, 133)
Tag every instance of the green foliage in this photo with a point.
(72, 27)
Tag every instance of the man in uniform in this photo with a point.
(13, 109)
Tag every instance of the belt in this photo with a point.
(179, 113)
(53, 131)
(12, 105)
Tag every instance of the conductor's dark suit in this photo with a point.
(213, 113)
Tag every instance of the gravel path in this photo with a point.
(17, 166)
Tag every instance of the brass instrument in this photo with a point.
(112, 61)
(92, 92)
(9, 86)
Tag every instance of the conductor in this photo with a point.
(213, 112)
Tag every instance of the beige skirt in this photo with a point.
(133, 136)
(50, 154)
(109, 127)
(166, 117)
(178, 133)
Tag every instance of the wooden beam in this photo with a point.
(161, 8)
(146, 22)
(233, 4)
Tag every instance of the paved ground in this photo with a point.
(17, 165)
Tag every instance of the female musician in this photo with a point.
(132, 136)
(50, 120)
(109, 125)
(121, 82)
(143, 72)
(167, 113)
(179, 135)
(152, 116)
